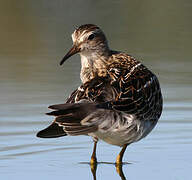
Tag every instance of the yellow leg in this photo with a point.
(120, 156)
(93, 157)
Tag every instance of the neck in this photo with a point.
(93, 64)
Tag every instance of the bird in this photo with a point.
(118, 102)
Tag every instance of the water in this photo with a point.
(35, 36)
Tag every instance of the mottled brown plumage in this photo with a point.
(119, 101)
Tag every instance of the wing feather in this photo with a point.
(128, 88)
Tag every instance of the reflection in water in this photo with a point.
(119, 169)
(34, 36)
(93, 170)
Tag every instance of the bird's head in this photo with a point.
(87, 39)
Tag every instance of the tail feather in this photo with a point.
(58, 113)
(52, 131)
(80, 130)
(69, 106)
(68, 120)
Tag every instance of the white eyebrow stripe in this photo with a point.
(73, 36)
(84, 34)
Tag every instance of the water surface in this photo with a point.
(35, 36)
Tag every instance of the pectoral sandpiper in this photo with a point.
(118, 102)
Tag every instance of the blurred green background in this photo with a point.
(35, 35)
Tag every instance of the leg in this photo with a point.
(120, 156)
(93, 157)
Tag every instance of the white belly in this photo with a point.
(126, 133)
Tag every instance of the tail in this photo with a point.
(52, 131)
(68, 120)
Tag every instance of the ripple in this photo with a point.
(40, 151)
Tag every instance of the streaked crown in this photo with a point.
(89, 37)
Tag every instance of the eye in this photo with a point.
(91, 37)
